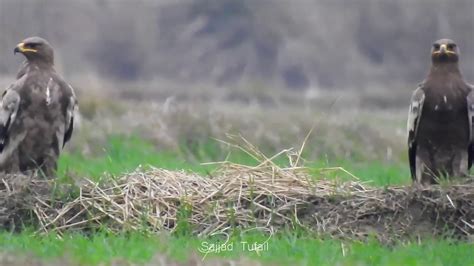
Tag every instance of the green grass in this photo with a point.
(123, 155)
(126, 154)
(375, 173)
(290, 248)
(285, 249)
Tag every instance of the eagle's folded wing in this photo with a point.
(71, 109)
(470, 115)
(414, 116)
(8, 112)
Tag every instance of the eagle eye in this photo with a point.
(436, 46)
(451, 46)
(32, 45)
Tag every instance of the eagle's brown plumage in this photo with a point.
(36, 113)
(440, 119)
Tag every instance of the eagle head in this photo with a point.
(444, 51)
(35, 49)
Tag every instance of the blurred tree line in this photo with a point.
(300, 44)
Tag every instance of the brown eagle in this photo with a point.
(440, 119)
(36, 113)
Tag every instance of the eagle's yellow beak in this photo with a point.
(443, 49)
(20, 48)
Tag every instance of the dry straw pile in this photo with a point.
(266, 197)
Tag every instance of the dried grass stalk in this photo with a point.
(266, 196)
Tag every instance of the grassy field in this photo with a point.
(366, 144)
(282, 249)
(126, 154)
(122, 154)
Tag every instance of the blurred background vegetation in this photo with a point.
(298, 45)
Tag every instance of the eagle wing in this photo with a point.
(70, 112)
(8, 111)
(414, 116)
(69, 108)
(470, 114)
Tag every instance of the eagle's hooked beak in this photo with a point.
(20, 48)
(443, 49)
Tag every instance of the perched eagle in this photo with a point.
(440, 119)
(36, 113)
